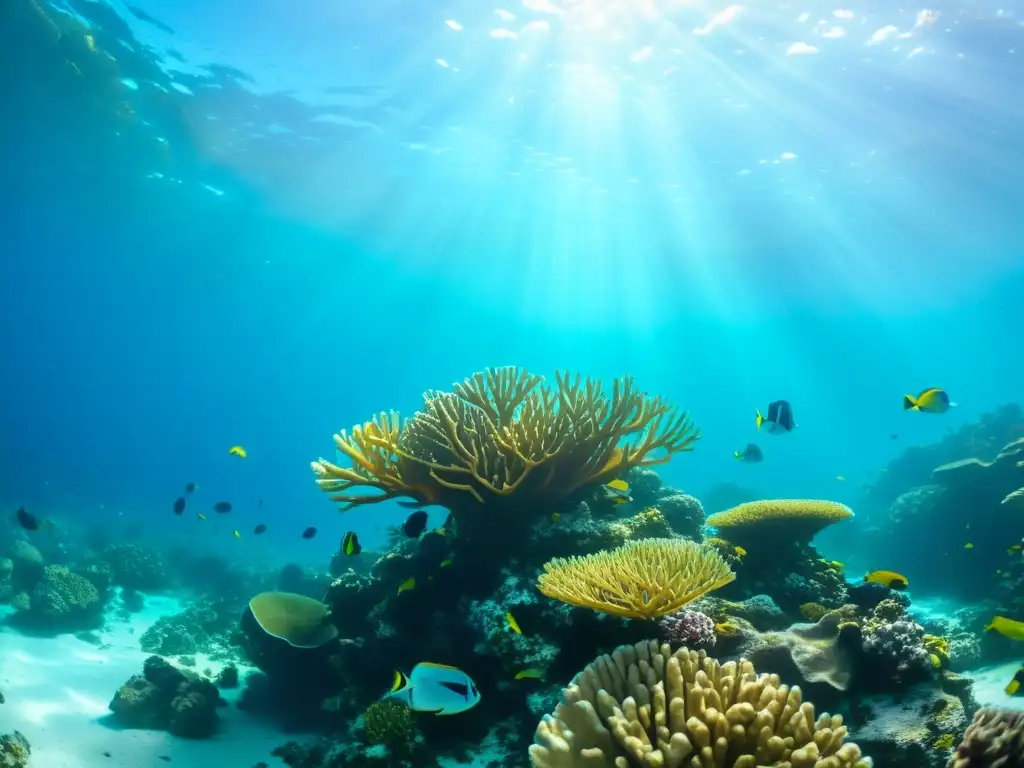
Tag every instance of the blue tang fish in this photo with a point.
(435, 688)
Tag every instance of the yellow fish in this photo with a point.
(740, 551)
(237, 534)
(622, 500)
(1014, 548)
(512, 623)
(1014, 685)
(840, 478)
(237, 450)
(889, 579)
(555, 517)
(968, 545)
(406, 585)
(935, 661)
(619, 485)
(931, 400)
(530, 674)
(200, 515)
(446, 563)
(1006, 627)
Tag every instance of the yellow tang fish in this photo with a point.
(931, 400)
(619, 485)
(1006, 627)
(889, 579)
(406, 585)
(530, 674)
(237, 534)
(237, 450)
(512, 623)
(740, 551)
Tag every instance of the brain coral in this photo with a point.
(647, 706)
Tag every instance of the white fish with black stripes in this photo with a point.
(435, 688)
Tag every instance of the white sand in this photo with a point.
(58, 689)
(990, 682)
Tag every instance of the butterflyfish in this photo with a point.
(889, 579)
(350, 544)
(179, 505)
(435, 688)
(779, 420)
(619, 485)
(1013, 687)
(415, 524)
(931, 400)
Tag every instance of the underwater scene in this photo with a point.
(540, 383)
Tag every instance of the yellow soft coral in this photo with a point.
(502, 433)
(793, 519)
(642, 579)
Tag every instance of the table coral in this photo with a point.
(791, 519)
(647, 706)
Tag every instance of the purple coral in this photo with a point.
(900, 645)
(690, 628)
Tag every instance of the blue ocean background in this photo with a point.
(259, 223)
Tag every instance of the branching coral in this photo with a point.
(795, 519)
(647, 706)
(994, 740)
(642, 579)
(502, 433)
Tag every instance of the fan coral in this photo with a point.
(502, 433)
(793, 519)
(995, 739)
(690, 628)
(647, 706)
(642, 579)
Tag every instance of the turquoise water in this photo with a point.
(258, 223)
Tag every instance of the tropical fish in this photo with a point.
(200, 515)
(309, 533)
(435, 688)
(237, 450)
(237, 534)
(622, 500)
(619, 485)
(889, 579)
(555, 517)
(223, 507)
(968, 545)
(935, 661)
(512, 623)
(350, 544)
(179, 505)
(446, 563)
(779, 419)
(931, 400)
(415, 524)
(530, 674)
(740, 551)
(190, 488)
(1014, 548)
(751, 454)
(261, 528)
(1013, 687)
(1006, 627)
(26, 520)
(406, 585)
(893, 436)
(840, 478)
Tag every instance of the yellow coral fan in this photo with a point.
(642, 579)
(798, 519)
(502, 432)
(647, 706)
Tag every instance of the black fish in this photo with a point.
(350, 544)
(751, 454)
(309, 533)
(261, 528)
(190, 488)
(893, 436)
(27, 521)
(222, 506)
(780, 418)
(415, 524)
(2, 699)
(179, 505)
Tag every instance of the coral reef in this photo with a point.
(647, 706)
(994, 739)
(641, 579)
(894, 645)
(166, 698)
(61, 601)
(14, 750)
(690, 628)
(134, 567)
